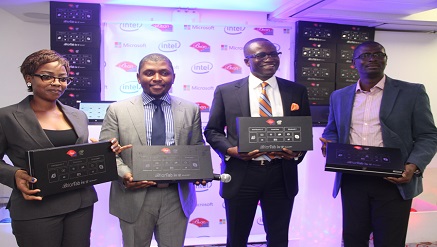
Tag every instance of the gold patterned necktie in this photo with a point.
(265, 109)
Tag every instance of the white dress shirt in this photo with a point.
(365, 126)
(272, 92)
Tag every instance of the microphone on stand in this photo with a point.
(225, 178)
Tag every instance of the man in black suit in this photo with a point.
(255, 179)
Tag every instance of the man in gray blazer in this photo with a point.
(380, 111)
(145, 208)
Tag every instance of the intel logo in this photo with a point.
(169, 45)
(203, 188)
(201, 67)
(259, 221)
(278, 47)
(130, 87)
(234, 30)
(129, 27)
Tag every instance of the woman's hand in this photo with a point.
(22, 180)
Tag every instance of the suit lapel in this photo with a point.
(286, 96)
(27, 120)
(345, 105)
(242, 96)
(136, 113)
(391, 91)
(178, 118)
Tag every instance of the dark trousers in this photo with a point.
(66, 230)
(264, 184)
(372, 204)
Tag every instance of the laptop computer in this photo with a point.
(95, 110)
(366, 160)
(275, 133)
(166, 164)
(65, 168)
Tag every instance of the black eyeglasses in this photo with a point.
(50, 79)
(376, 55)
(263, 55)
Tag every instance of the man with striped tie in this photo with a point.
(269, 178)
(154, 117)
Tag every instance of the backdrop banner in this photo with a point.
(203, 57)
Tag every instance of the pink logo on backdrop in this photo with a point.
(200, 222)
(164, 27)
(127, 66)
(203, 107)
(201, 46)
(233, 68)
(264, 31)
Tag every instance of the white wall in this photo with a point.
(18, 40)
(412, 57)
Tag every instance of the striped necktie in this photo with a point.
(265, 109)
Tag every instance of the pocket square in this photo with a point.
(294, 107)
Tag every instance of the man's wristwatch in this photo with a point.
(298, 156)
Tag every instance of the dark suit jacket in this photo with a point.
(20, 131)
(406, 123)
(125, 121)
(231, 100)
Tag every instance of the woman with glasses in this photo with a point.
(41, 121)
